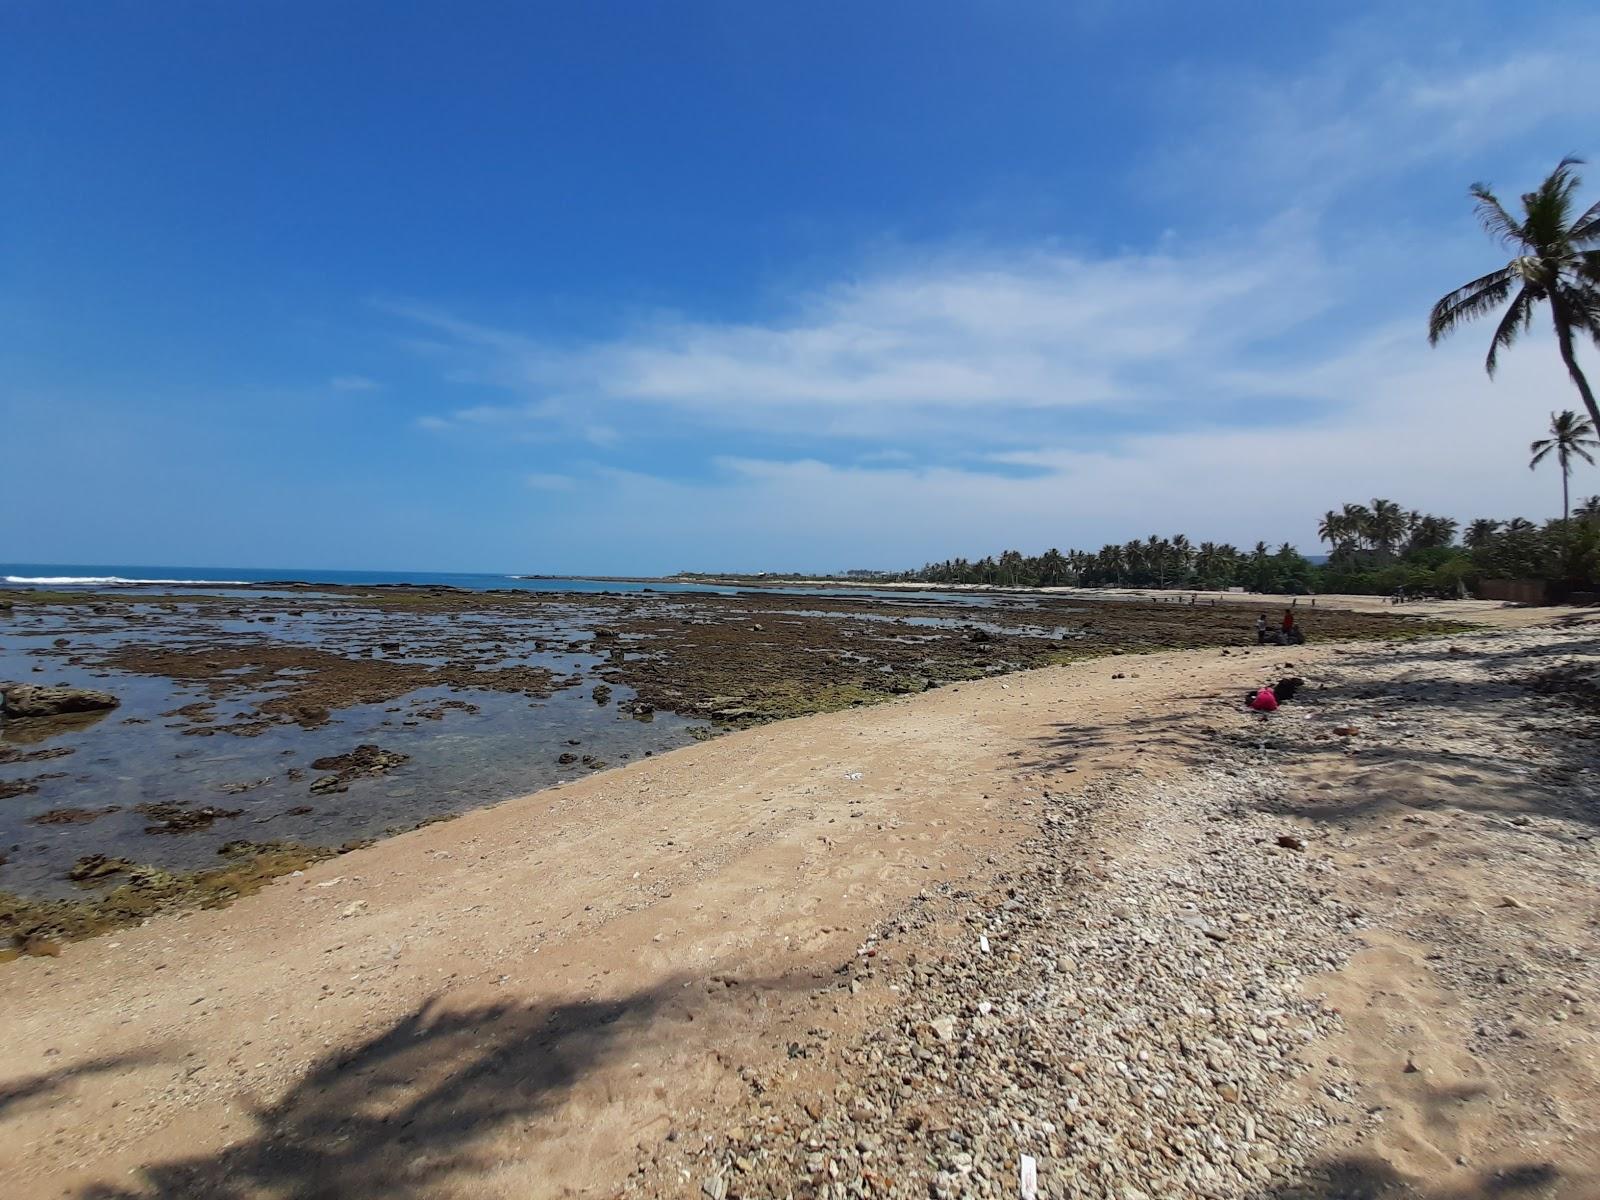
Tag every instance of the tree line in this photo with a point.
(1373, 548)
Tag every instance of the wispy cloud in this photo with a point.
(944, 347)
(1402, 435)
(1372, 105)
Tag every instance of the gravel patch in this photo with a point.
(1122, 1016)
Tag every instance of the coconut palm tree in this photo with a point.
(1386, 525)
(1357, 523)
(1428, 532)
(1052, 568)
(1571, 436)
(1009, 569)
(1481, 532)
(1182, 558)
(1589, 509)
(1333, 529)
(1557, 261)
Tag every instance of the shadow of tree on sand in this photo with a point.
(41, 1087)
(1516, 687)
(1366, 1178)
(398, 1115)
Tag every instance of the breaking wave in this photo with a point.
(112, 580)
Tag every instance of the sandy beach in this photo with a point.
(1094, 914)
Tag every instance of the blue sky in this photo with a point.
(637, 287)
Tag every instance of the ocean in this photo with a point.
(99, 575)
(108, 575)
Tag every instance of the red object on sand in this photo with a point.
(1265, 701)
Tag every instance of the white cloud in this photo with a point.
(1425, 428)
(945, 346)
(1372, 105)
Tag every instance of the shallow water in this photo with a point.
(136, 755)
(246, 579)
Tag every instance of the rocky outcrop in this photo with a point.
(31, 700)
(363, 761)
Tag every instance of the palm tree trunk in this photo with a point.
(1558, 311)
(1566, 505)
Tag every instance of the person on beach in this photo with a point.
(1267, 699)
(1261, 629)
(1292, 634)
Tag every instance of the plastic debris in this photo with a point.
(1028, 1177)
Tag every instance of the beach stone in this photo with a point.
(31, 700)
(42, 947)
(365, 759)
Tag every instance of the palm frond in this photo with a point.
(1547, 223)
(1469, 301)
(1579, 306)
(1563, 181)
(1519, 315)
(1496, 221)
(1586, 228)
(1540, 451)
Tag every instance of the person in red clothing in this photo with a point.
(1288, 621)
(1265, 700)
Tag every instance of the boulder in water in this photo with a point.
(30, 700)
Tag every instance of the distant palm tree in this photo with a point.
(1357, 522)
(1428, 532)
(1557, 261)
(1571, 436)
(1386, 525)
(1481, 532)
(1182, 557)
(1334, 528)
(1589, 510)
